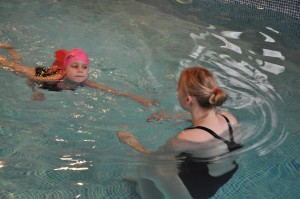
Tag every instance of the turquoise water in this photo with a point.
(66, 147)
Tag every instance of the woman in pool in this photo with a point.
(200, 150)
(68, 72)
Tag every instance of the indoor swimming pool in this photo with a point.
(66, 146)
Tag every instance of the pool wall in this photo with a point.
(288, 7)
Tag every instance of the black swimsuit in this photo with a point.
(231, 145)
(195, 174)
(45, 72)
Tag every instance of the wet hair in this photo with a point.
(201, 83)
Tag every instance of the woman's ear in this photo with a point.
(188, 100)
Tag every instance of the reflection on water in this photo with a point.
(273, 53)
(268, 38)
(185, 1)
(270, 67)
(231, 34)
(228, 44)
(265, 65)
(2, 164)
(246, 82)
(66, 146)
(72, 162)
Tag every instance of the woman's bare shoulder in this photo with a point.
(229, 115)
(193, 135)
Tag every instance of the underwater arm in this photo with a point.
(130, 139)
(38, 96)
(172, 146)
(139, 99)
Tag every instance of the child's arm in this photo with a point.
(38, 96)
(139, 99)
(15, 57)
(49, 79)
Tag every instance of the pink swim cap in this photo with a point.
(76, 54)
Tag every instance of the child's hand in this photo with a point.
(147, 102)
(3, 45)
(159, 116)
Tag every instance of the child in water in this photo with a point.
(200, 149)
(68, 72)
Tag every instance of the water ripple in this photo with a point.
(248, 86)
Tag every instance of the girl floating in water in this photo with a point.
(68, 72)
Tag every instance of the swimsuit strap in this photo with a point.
(231, 145)
(210, 132)
(229, 127)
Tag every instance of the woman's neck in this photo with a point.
(200, 115)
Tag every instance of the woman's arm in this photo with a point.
(129, 139)
(139, 99)
(172, 146)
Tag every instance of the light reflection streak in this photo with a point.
(201, 36)
(268, 38)
(231, 34)
(72, 162)
(228, 44)
(272, 68)
(71, 168)
(273, 53)
(211, 27)
(2, 163)
(272, 30)
(185, 1)
(197, 51)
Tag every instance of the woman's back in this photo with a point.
(204, 168)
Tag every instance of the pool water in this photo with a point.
(66, 146)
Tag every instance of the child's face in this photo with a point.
(77, 71)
